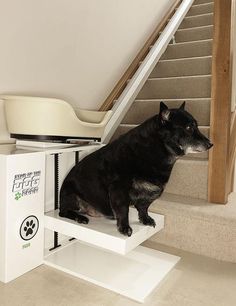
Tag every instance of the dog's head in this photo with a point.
(180, 131)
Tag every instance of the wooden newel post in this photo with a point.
(218, 178)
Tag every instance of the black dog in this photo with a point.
(132, 170)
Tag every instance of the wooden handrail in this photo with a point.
(121, 84)
(222, 155)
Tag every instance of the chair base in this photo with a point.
(52, 138)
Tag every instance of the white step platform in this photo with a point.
(103, 233)
(134, 275)
(109, 259)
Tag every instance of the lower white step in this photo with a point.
(134, 275)
(103, 233)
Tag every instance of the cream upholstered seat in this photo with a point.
(51, 119)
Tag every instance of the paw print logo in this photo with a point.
(17, 196)
(29, 227)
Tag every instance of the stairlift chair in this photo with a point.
(47, 119)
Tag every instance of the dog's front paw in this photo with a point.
(125, 230)
(82, 219)
(148, 221)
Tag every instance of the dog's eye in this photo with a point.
(188, 128)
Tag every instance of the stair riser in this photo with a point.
(198, 236)
(193, 49)
(202, 1)
(194, 34)
(122, 129)
(144, 109)
(176, 88)
(197, 21)
(184, 67)
(189, 178)
(201, 9)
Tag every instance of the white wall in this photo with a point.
(75, 49)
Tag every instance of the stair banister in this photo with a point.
(134, 85)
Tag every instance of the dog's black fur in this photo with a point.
(132, 170)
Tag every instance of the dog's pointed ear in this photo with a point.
(164, 112)
(182, 106)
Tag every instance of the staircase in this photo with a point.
(184, 74)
